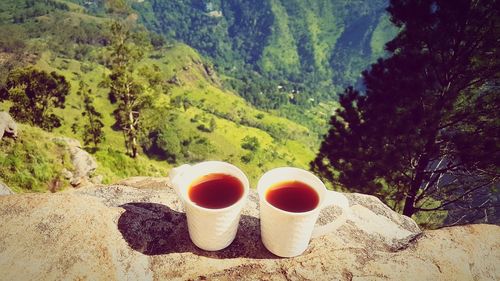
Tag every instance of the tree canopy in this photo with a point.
(34, 94)
(426, 128)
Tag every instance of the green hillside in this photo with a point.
(314, 48)
(198, 118)
(33, 163)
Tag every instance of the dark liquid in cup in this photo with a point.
(292, 196)
(215, 191)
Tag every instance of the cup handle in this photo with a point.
(337, 199)
(175, 176)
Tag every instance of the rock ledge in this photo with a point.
(119, 232)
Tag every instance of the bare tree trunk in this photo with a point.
(131, 139)
(132, 134)
(125, 137)
(92, 126)
(134, 146)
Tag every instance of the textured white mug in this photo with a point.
(209, 229)
(287, 234)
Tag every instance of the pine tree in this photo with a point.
(125, 91)
(93, 127)
(427, 126)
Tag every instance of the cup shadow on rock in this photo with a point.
(155, 229)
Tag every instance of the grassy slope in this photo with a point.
(182, 61)
(113, 164)
(33, 163)
(229, 110)
(316, 19)
(233, 116)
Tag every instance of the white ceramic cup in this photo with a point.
(209, 229)
(287, 234)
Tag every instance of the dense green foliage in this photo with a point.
(279, 52)
(426, 129)
(33, 8)
(34, 94)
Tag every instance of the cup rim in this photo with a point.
(245, 183)
(262, 196)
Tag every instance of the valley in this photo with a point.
(247, 86)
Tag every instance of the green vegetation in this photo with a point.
(280, 57)
(275, 53)
(195, 113)
(34, 94)
(250, 143)
(33, 163)
(191, 117)
(115, 164)
(178, 124)
(255, 87)
(423, 134)
(92, 130)
(125, 91)
(383, 33)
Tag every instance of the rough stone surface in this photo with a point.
(145, 182)
(8, 126)
(4, 189)
(96, 179)
(66, 174)
(67, 141)
(119, 232)
(84, 164)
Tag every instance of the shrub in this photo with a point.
(250, 143)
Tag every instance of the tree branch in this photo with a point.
(429, 184)
(444, 170)
(454, 200)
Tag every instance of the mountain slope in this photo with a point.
(196, 116)
(320, 46)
